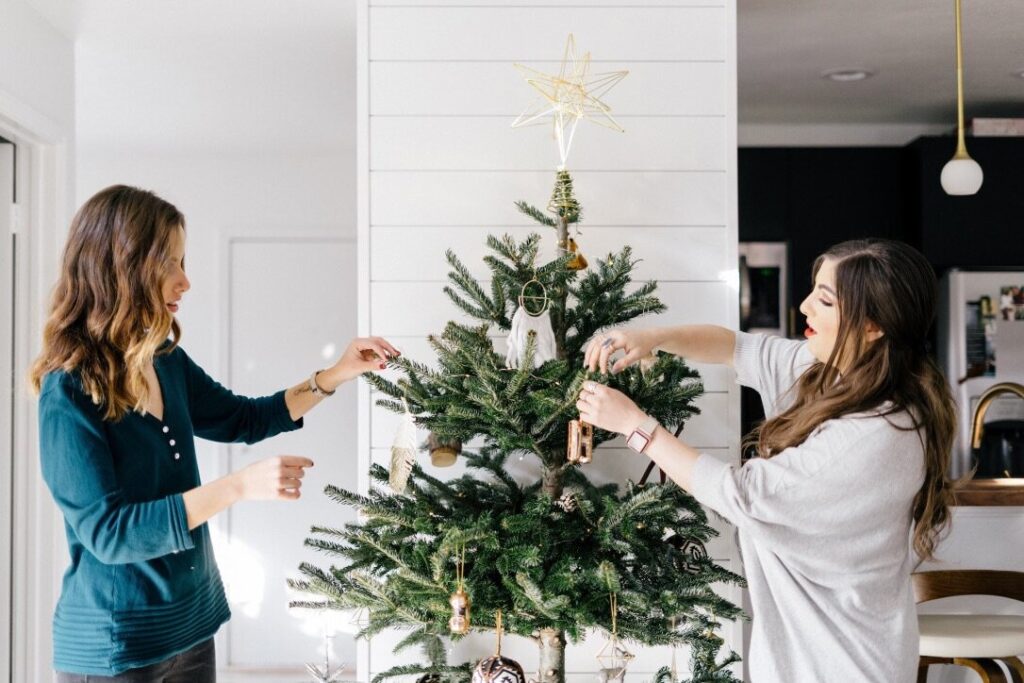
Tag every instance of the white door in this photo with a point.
(292, 310)
(7, 386)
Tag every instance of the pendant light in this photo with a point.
(961, 175)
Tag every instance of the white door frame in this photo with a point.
(44, 204)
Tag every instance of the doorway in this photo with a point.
(8, 314)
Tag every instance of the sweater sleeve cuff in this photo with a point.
(706, 481)
(282, 419)
(179, 524)
(745, 359)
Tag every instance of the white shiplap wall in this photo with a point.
(439, 167)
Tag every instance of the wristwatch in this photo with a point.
(642, 435)
(315, 388)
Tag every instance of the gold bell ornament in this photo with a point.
(581, 442)
(578, 261)
(459, 600)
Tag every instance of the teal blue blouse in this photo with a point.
(141, 587)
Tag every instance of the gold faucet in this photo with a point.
(984, 402)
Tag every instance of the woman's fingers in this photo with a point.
(598, 350)
(610, 345)
(591, 352)
(632, 356)
(294, 461)
(283, 478)
(373, 348)
(387, 346)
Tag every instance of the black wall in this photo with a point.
(813, 198)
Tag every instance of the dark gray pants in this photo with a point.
(196, 665)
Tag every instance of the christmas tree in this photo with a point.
(548, 553)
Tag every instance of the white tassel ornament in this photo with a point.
(403, 452)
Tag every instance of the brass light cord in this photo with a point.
(461, 573)
(961, 147)
(497, 626)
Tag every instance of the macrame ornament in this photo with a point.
(531, 319)
(459, 600)
(403, 452)
(498, 669)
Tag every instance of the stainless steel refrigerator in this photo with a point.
(980, 343)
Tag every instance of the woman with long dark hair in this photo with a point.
(851, 480)
(119, 406)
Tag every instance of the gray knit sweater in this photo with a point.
(824, 531)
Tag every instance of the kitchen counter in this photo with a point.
(991, 492)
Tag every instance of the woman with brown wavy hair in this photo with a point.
(119, 406)
(851, 479)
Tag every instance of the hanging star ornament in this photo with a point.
(574, 94)
(324, 676)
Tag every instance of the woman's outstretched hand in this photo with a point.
(637, 344)
(608, 408)
(364, 354)
(276, 478)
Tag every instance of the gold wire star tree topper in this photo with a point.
(570, 96)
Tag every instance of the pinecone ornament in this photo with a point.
(567, 502)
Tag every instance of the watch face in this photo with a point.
(637, 441)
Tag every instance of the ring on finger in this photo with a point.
(607, 342)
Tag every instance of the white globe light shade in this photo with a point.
(961, 176)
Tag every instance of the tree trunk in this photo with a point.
(552, 656)
(558, 310)
(552, 481)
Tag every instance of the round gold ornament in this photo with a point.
(459, 622)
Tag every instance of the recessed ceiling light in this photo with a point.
(847, 75)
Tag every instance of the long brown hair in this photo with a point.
(107, 317)
(892, 285)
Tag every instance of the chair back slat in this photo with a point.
(946, 584)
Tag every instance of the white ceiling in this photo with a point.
(300, 56)
(784, 45)
(281, 74)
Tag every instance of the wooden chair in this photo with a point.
(977, 641)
